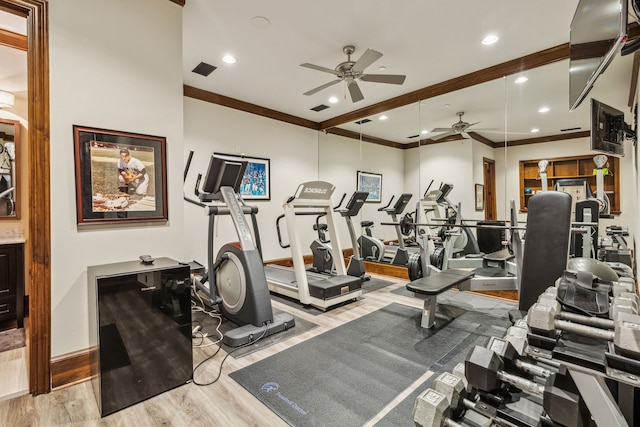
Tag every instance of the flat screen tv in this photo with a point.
(607, 129)
(598, 31)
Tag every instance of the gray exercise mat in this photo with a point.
(402, 414)
(347, 375)
(368, 286)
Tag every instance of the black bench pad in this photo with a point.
(501, 255)
(437, 283)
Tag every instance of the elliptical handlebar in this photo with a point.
(427, 190)
(387, 205)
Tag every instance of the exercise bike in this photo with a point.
(235, 280)
(323, 260)
(373, 249)
(320, 248)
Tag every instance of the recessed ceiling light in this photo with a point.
(382, 68)
(534, 130)
(333, 99)
(383, 117)
(447, 105)
(229, 59)
(490, 39)
(543, 110)
(424, 132)
(521, 79)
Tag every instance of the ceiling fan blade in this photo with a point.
(444, 135)
(368, 57)
(355, 92)
(470, 124)
(319, 68)
(324, 86)
(394, 79)
(441, 130)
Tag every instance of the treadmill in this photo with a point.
(318, 290)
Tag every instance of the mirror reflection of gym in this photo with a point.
(9, 136)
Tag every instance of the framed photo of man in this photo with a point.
(120, 176)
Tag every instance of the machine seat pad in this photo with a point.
(437, 283)
(476, 256)
(501, 255)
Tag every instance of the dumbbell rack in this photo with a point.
(592, 363)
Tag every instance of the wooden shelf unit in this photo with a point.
(570, 168)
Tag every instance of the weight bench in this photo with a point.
(429, 287)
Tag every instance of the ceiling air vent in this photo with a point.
(569, 129)
(363, 121)
(320, 107)
(204, 69)
(413, 136)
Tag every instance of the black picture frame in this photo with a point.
(256, 181)
(103, 193)
(371, 182)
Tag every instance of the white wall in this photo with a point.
(293, 154)
(390, 163)
(119, 70)
(296, 155)
(450, 162)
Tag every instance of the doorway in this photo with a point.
(489, 171)
(38, 246)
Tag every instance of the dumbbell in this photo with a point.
(429, 408)
(484, 370)
(544, 320)
(432, 409)
(624, 302)
(624, 284)
(512, 358)
(517, 336)
(624, 298)
(548, 298)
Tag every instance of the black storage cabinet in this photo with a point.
(140, 331)
(12, 282)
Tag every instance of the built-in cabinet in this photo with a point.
(12, 282)
(576, 167)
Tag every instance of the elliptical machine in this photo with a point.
(235, 280)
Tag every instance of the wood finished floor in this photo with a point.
(13, 373)
(224, 403)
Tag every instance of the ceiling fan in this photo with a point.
(458, 128)
(350, 72)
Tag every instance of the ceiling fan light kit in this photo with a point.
(458, 128)
(351, 71)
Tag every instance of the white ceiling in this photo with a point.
(429, 41)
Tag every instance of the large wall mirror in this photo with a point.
(523, 116)
(9, 140)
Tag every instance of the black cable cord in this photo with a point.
(264, 333)
(630, 47)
